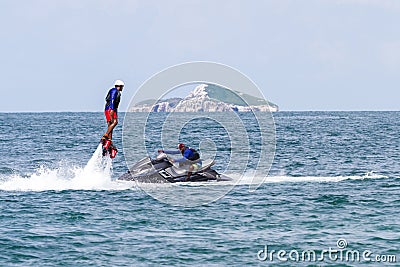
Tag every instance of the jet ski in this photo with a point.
(161, 170)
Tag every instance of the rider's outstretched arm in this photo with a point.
(171, 152)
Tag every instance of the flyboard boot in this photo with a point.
(112, 151)
(108, 147)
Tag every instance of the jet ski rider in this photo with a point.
(190, 160)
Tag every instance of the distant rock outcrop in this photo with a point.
(207, 98)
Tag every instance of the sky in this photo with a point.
(64, 55)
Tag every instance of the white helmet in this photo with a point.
(119, 82)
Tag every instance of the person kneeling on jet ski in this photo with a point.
(190, 160)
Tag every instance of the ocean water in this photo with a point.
(333, 189)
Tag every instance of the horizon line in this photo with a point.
(294, 110)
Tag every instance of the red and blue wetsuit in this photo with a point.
(112, 102)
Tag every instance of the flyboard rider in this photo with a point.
(111, 112)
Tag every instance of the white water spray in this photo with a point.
(96, 175)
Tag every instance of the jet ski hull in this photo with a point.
(162, 171)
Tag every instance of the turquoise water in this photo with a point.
(335, 176)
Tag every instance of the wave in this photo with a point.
(248, 179)
(97, 175)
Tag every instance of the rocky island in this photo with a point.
(207, 98)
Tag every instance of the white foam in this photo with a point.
(249, 179)
(96, 175)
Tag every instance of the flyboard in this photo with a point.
(108, 148)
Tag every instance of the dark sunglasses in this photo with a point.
(119, 86)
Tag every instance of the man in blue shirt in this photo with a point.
(111, 109)
(190, 158)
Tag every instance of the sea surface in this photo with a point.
(333, 189)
